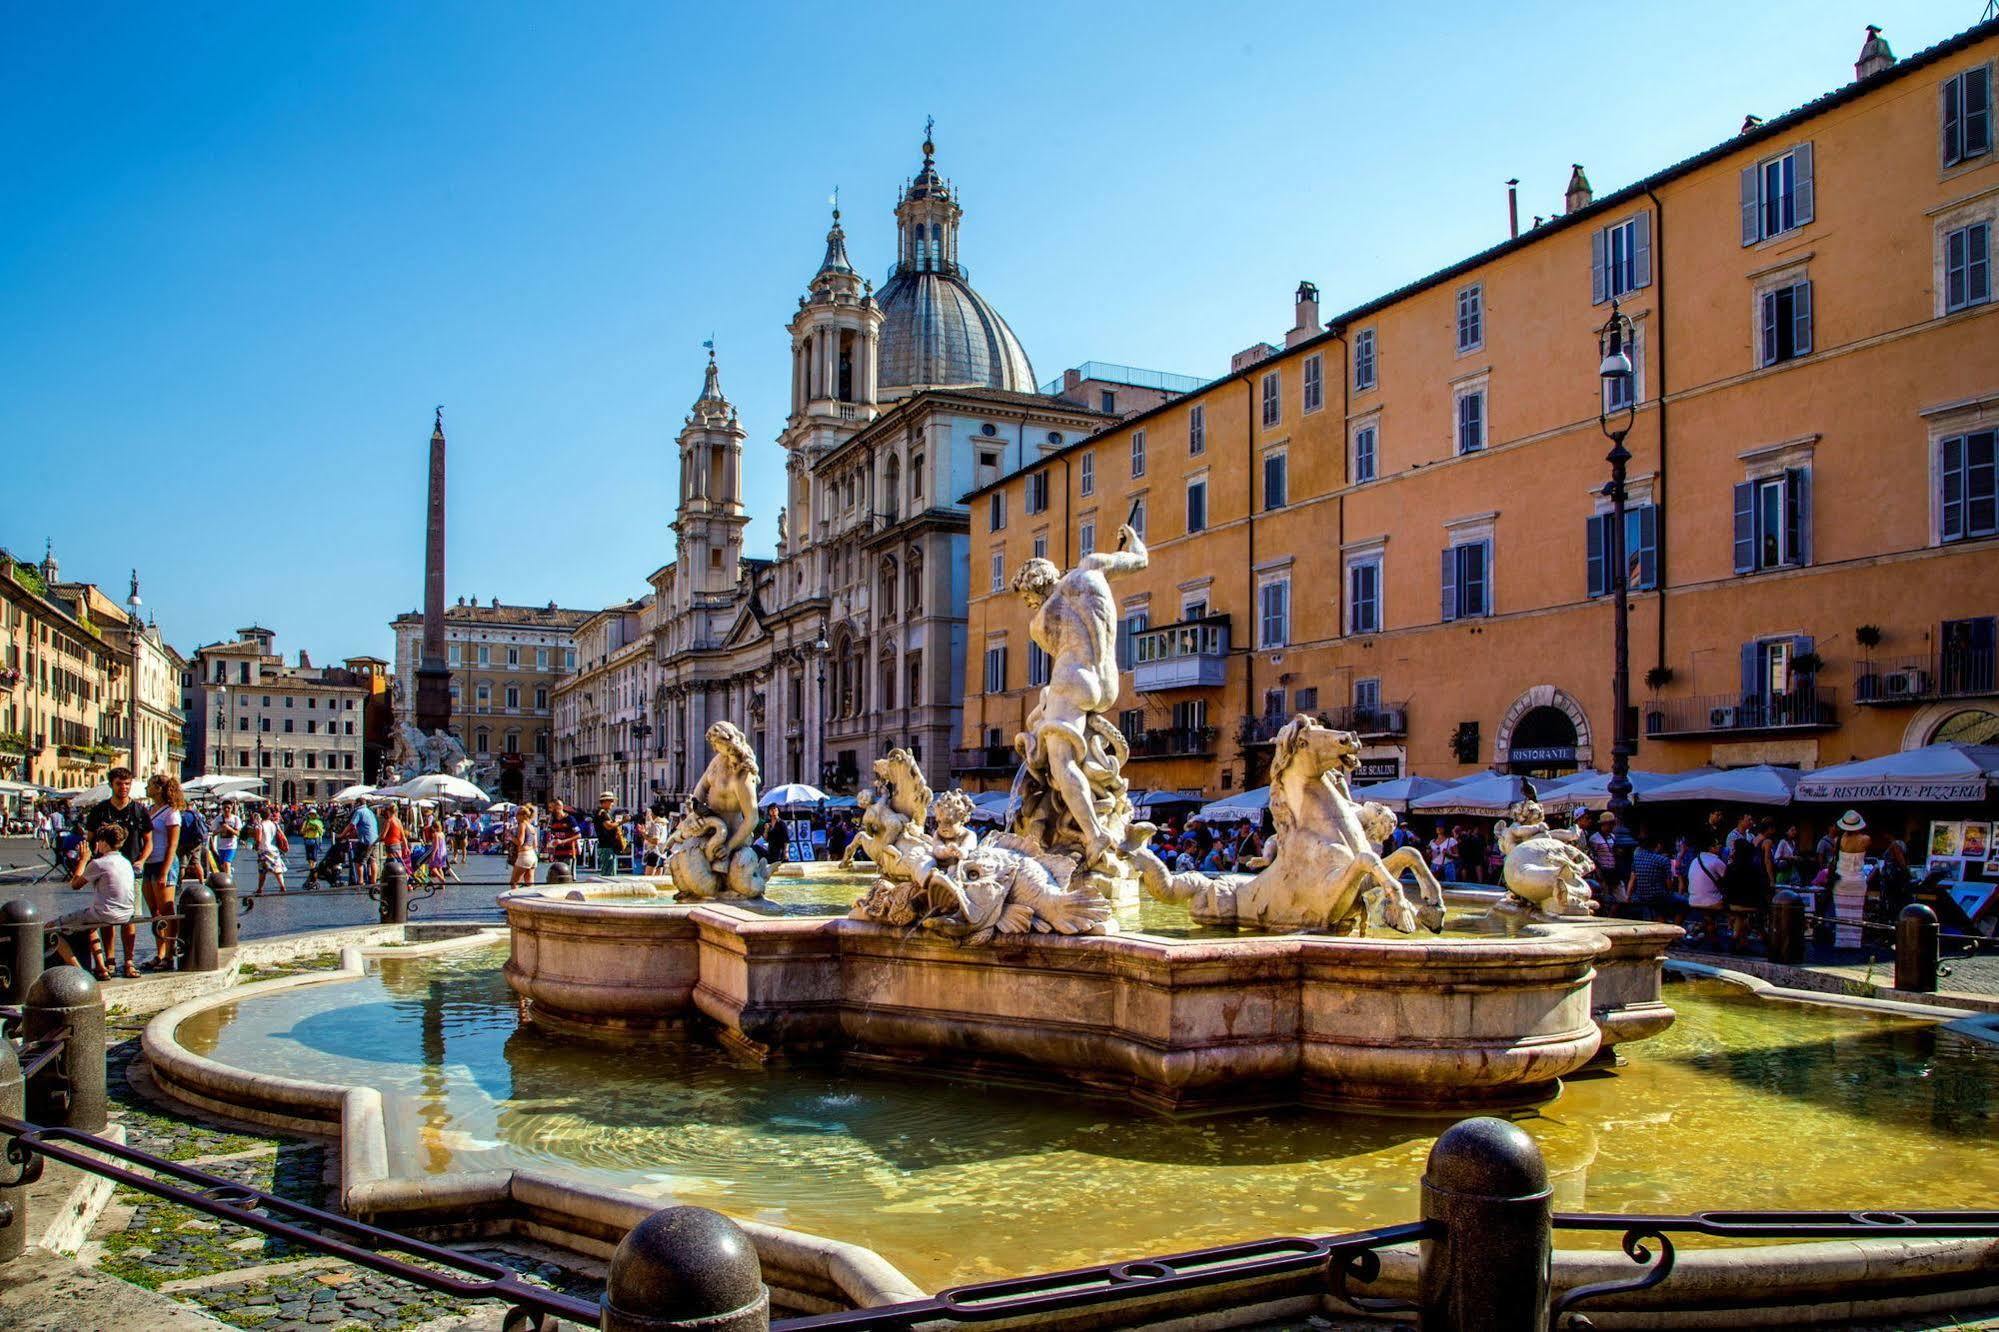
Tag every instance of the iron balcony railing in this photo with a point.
(1173, 742)
(1805, 708)
(1950, 673)
(1378, 719)
(984, 758)
(1109, 372)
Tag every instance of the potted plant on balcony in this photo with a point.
(1868, 685)
(1657, 678)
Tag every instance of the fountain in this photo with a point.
(1012, 956)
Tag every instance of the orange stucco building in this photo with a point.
(1395, 520)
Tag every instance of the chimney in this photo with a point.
(1513, 207)
(1305, 322)
(1874, 55)
(1579, 195)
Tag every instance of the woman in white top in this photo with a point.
(522, 852)
(164, 794)
(270, 850)
(227, 829)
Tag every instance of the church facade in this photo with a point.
(851, 639)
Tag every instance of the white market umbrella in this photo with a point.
(1951, 771)
(1591, 790)
(1149, 800)
(216, 784)
(12, 788)
(434, 786)
(1491, 795)
(86, 796)
(1397, 794)
(791, 793)
(502, 807)
(1243, 806)
(358, 791)
(1762, 784)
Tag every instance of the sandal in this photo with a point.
(101, 972)
(130, 972)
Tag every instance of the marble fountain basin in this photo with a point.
(1173, 1023)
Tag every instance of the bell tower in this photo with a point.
(708, 522)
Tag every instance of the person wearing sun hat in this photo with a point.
(610, 835)
(1849, 879)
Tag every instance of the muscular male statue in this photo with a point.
(1075, 623)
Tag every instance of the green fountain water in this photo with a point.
(1742, 1103)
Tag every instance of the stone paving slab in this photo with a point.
(45, 1292)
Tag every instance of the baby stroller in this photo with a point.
(326, 870)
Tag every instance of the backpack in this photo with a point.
(193, 830)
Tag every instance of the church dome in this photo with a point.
(936, 330)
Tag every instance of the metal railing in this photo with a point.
(984, 758)
(1805, 708)
(1947, 673)
(1173, 742)
(1109, 372)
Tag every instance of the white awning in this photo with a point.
(1948, 772)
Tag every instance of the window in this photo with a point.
(1787, 323)
(1641, 549)
(1773, 518)
(1037, 492)
(513, 656)
(1131, 722)
(311, 758)
(999, 571)
(456, 651)
(1471, 421)
(485, 655)
(1471, 317)
(1965, 486)
(1364, 597)
(1135, 622)
(996, 511)
(1315, 383)
(513, 696)
(1107, 400)
(1088, 483)
(513, 742)
(1041, 545)
(1086, 537)
(996, 669)
(288, 726)
(1364, 453)
(1197, 506)
(348, 762)
(1967, 266)
(541, 659)
(1138, 517)
(1191, 715)
(1468, 580)
(1363, 359)
(1621, 258)
(1306, 700)
(1967, 115)
(1273, 402)
(1197, 428)
(264, 724)
(1038, 666)
(541, 698)
(1777, 195)
(1138, 453)
(312, 727)
(1276, 480)
(1367, 696)
(1273, 627)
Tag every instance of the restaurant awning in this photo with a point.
(1946, 772)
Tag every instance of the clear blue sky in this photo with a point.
(245, 248)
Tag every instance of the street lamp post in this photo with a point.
(221, 725)
(819, 650)
(1615, 412)
(641, 728)
(132, 685)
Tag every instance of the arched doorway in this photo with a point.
(1972, 726)
(1543, 744)
(512, 784)
(288, 793)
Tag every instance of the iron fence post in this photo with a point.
(1485, 1266)
(1917, 944)
(22, 950)
(195, 941)
(14, 1192)
(395, 897)
(684, 1269)
(1787, 928)
(69, 1093)
(223, 884)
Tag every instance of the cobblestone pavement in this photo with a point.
(253, 1281)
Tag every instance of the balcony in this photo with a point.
(1385, 720)
(1806, 708)
(1190, 655)
(1953, 673)
(984, 758)
(1173, 742)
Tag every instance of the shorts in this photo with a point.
(607, 859)
(225, 854)
(88, 918)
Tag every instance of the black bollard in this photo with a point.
(1787, 929)
(223, 884)
(561, 871)
(195, 942)
(1486, 1189)
(21, 950)
(14, 1195)
(1917, 944)
(685, 1268)
(69, 1093)
(394, 892)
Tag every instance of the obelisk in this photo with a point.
(433, 676)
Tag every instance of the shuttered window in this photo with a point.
(1274, 613)
(1088, 482)
(996, 670)
(1641, 549)
(1965, 481)
(1471, 421)
(1133, 624)
(1967, 267)
(996, 511)
(1197, 506)
(1777, 195)
(1621, 258)
(1138, 453)
(1038, 664)
(1273, 400)
(1197, 428)
(1363, 359)
(1773, 521)
(1364, 447)
(1471, 317)
(1467, 580)
(1787, 323)
(1967, 115)
(1315, 383)
(1276, 481)
(1364, 597)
